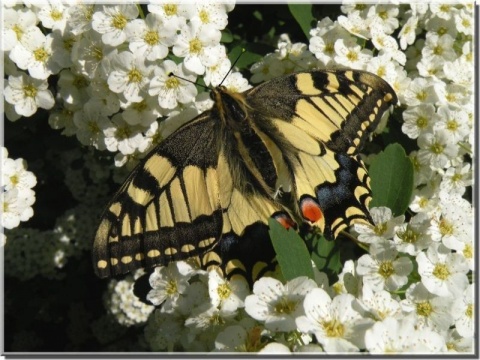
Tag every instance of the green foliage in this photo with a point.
(303, 15)
(292, 253)
(391, 174)
(325, 254)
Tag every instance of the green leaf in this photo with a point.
(303, 15)
(227, 36)
(391, 174)
(292, 254)
(325, 255)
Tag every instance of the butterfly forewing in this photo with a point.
(208, 190)
(169, 207)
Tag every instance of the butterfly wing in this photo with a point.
(152, 219)
(182, 202)
(320, 120)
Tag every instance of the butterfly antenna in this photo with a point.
(233, 65)
(187, 80)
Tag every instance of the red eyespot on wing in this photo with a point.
(310, 209)
(285, 220)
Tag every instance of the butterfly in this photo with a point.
(286, 149)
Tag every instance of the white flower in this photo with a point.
(418, 119)
(383, 66)
(456, 343)
(15, 208)
(463, 310)
(235, 82)
(428, 310)
(28, 94)
(80, 18)
(454, 122)
(213, 14)
(400, 336)
(122, 303)
(149, 38)
(380, 303)
(443, 10)
(439, 26)
(420, 91)
(102, 97)
(461, 70)
(431, 68)
(53, 15)
(142, 113)
(16, 176)
(73, 88)
(170, 89)
(244, 337)
(381, 269)
(63, 44)
(455, 223)
(174, 13)
(351, 55)
(388, 47)
(275, 348)
(439, 47)
(437, 149)
(336, 323)
(323, 45)
(89, 53)
(123, 137)
(129, 75)
(196, 44)
(267, 68)
(209, 319)
(276, 304)
(407, 34)
(456, 95)
(112, 20)
(91, 123)
(16, 23)
(356, 24)
(227, 294)
(384, 226)
(215, 73)
(167, 283)
(464, 22)
(35, 54)
(348, 281)
(424, 200)
(413, 237)
(383, 17)
(443, 273)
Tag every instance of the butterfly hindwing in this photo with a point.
(321, 120)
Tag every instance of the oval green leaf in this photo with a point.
(303, 15)
(292, 253)
(391, 174)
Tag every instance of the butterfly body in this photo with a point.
(285, 149)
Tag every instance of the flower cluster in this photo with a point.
(16, 191)
(114, 68)
(104, 72)
(126, 308)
